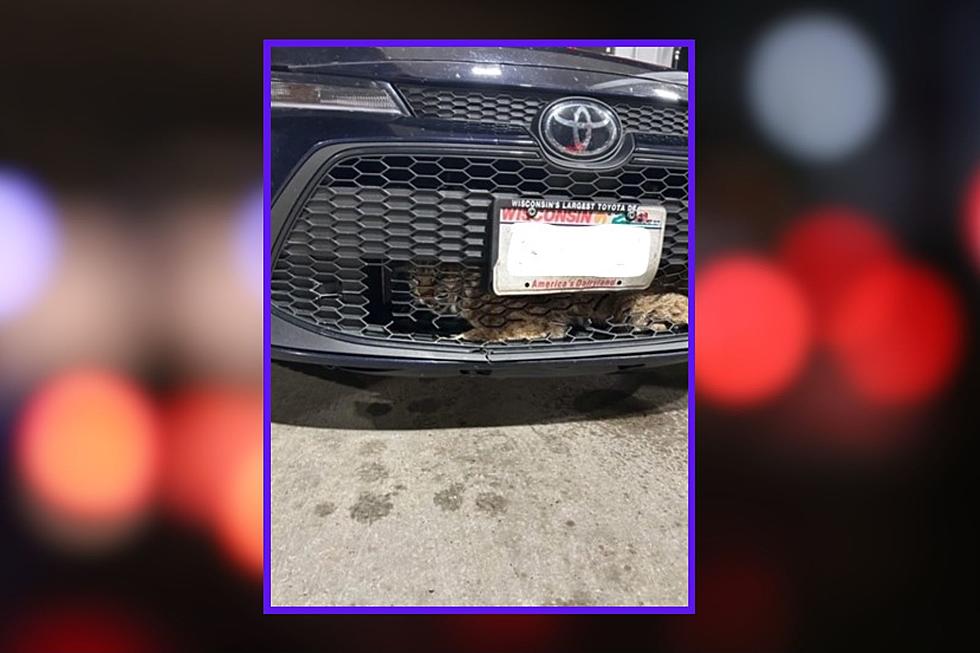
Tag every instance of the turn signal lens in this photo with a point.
(368, 97)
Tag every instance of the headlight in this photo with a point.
(335, 95)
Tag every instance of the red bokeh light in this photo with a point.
(742, 605)
(971, 217)
(827, 249)
(81, 628)
(898, 333)
(753, 330)
(505, 632)
(206, 427)
(214, 466)
(825, 418)
(87, 447)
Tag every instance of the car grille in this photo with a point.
(377, 226)
(520, 108)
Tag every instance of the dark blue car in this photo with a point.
(455, 210)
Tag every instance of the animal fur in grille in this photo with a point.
(454, 290)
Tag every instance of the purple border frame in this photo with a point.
(267, 46)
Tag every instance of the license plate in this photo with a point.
(557, 246)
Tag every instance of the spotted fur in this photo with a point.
(458, 291)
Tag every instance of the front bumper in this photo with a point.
(296, 344)
(294, 340)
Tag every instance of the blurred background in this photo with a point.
(838, 252)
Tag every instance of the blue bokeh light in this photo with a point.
(29, 241)
(249, 228)
(817, 86)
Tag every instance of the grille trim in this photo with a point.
(296, 197)
(520, 108)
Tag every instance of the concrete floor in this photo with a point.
(478, 491)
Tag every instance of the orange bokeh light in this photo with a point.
(753, 330)
(827, 249)
(87, 447)
(898, 333)
(239, 517)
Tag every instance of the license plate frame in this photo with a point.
(541, 246)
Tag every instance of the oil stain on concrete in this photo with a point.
(451, 498)
(372, 472)
(371, 507)
(325, 509)
(490, 503)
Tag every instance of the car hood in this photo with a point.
(566, 70)
(336, 59)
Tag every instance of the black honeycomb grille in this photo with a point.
(516, 108)
(350, 261)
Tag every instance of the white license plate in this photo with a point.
(556, 246)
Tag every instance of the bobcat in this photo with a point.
(458, 291)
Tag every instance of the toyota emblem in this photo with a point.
(580, 128)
